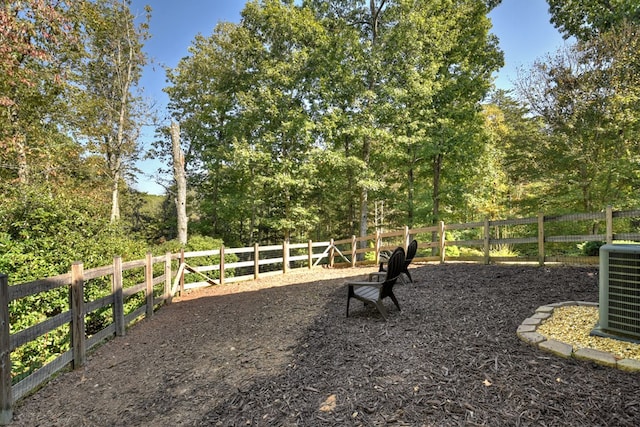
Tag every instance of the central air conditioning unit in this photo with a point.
(619, 292)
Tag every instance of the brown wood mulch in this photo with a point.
(254, 355)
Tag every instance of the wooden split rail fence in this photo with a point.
(164, 277)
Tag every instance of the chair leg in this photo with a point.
(409, 275)
(395, 300)
(381, 309)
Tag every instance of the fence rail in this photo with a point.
(252, 263)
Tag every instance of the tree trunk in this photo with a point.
(437, 171)
(23, 166)
(115, 198)
(180, 177)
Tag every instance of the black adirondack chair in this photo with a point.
(411, 253)
(375, 292)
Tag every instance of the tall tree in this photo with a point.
(588, 157)
(585, 19)
(37, 39)
(108, 109)
(179, 175)
(241, 96)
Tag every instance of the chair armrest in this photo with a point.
(370, 284)
(377, 275)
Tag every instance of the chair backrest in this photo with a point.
(411, 251)
(395, 266)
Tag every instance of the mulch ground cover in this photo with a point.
(256, 354)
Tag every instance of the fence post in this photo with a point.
(6, 397)
(541, 238)
(78, 341)
(167, 278)
(182, 275)
(406, 238)
(609, 215)
(441, 242)
(285, 256)
(222, 265)
(118, 299)
(148, 280)
(256, 261)
(353, 250)
(487, 246)
(310, 248)
(331, 253)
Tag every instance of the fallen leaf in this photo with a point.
(329, 404)
(487, 383)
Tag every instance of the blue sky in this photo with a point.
(521, 25)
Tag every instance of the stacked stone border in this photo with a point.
(527, 332)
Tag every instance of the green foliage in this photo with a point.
(586, 19)
(591, 248)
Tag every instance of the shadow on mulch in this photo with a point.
(288, 356)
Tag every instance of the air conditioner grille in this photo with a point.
(620, 290)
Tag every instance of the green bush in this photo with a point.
(591, 248)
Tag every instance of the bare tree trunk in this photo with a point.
(23, 166)
(115, 198)
(180, 177)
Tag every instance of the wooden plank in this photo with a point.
(246, 250)
(237, 264)
(99, 303)
(321, 244)
(38, 286)
(514, 221)
(31, 333)
(464, 226)
(208, 279)
(269, 261)
(129, 265)
(575, 217)
(626, 214)
(94, 273)
(626, 236)
(157, 259)
(205, 268)
(345, 241)
(158, 279)
(394, 233)
(423, 230)
(127, 292)
(270, 248)
(576, 238)
(213, 252)
(138, 312)
(108, 332)
(34, 380)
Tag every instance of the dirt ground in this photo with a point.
(280, 352)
